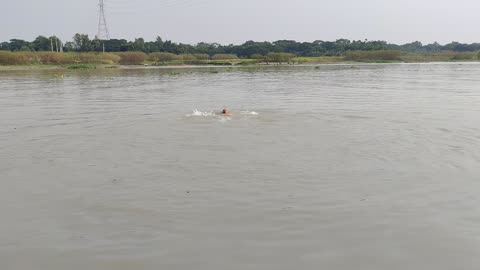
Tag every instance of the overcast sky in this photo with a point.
(235, 21)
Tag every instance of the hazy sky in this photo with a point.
(235, 21)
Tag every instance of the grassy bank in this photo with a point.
(398, 56)
(53, 58)
(89, 60)
(443, 56)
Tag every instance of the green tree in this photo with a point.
(96, 45)
(4, 46)
(56, 43)
(169, 46)
(82, 43)
(69, 47)
(159, 45)
(138, 45)
(116, 45)
(41, 43)
(20, 45)
(416, 46)
(434, 47)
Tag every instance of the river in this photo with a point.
(365, 166)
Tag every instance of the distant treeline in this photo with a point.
(82, 43)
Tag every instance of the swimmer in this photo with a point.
(226, 112)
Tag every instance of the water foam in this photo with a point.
(249, 113)
(198, 113)
(211, 114)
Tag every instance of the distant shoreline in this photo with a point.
(71, 60)
(127, 67)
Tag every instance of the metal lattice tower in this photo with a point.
(102, 33)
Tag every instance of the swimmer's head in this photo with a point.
(225, 111)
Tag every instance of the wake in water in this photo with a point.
(212, 114)
(198, 113)
(249, 113)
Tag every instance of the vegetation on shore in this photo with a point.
(249, 49)
(134, 58)
(82, 50)
(374, 56)
(89, 59)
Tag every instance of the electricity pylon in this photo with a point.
(102, 33)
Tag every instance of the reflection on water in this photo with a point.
(339, 167)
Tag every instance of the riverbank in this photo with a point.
(112, 60)
(60, 68)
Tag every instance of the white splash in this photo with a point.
(249, 113)
(201, 114)
(218, 115)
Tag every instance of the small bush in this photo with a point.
(201, 56)
(91, 58)
(109, 58)
(74, 58)
(191, 59)
(459, 56)
(429, 57)
(220, 63)
(280, 57)
(188, 57)
(163, 57)
(249, 62)
(49, 58)
(132, 58)
(224, 57)
(87, 58)
(15, 58)
(365, 56)
(257, 56)
(56, 58)
(81, 66)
